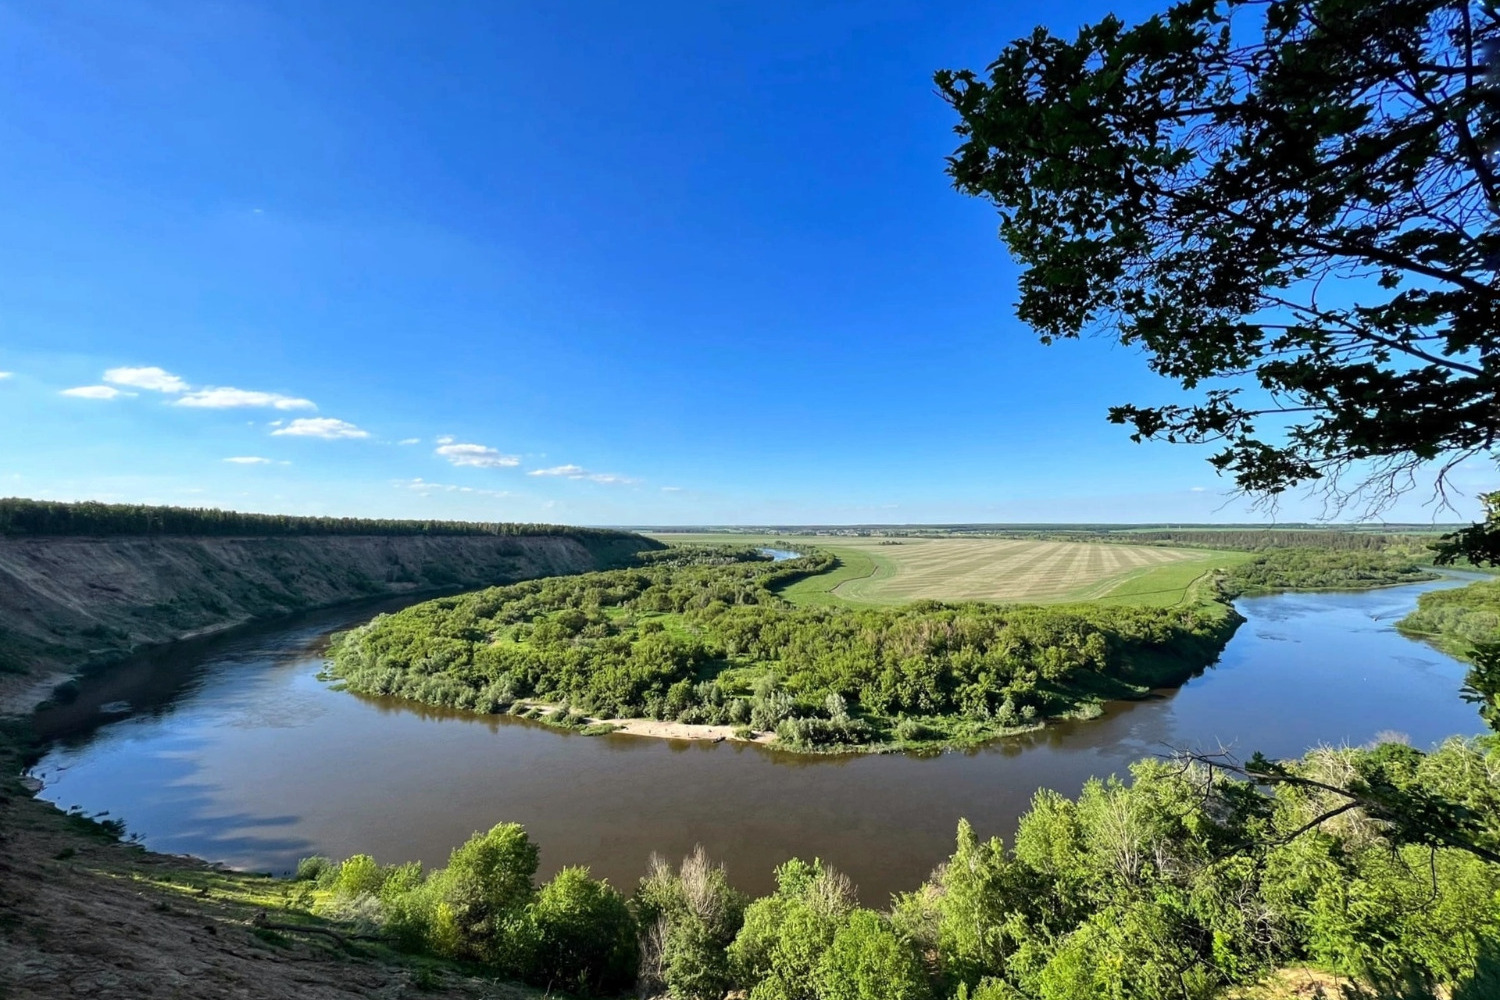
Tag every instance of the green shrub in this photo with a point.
(784, 936)
(914, 731)
(359, 875)
(470, 908)
(867, 961)
(687, 919)
(579, 936)
(823, 732)
(313, 869)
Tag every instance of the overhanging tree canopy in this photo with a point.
(1296, 196)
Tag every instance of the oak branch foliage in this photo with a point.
(1289, 206)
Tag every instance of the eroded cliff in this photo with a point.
(69, 602)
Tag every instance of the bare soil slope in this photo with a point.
(70, 602)
(83, 917)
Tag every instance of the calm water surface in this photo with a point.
(231, 748)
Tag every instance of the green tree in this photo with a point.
(579, 936)
(469, 909)
(867, 961)
(1289, 205)
(687, 918)
(978, 888)
(779, 948)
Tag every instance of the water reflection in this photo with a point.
(236, 752)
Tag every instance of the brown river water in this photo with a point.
(231, 749)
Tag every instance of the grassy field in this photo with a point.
(874, 571)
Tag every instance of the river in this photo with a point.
(230, 748)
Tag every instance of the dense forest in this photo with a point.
(698, 635)
(1173, 886)
(1321, 569)
(20, 517)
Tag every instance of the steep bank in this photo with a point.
(70, 602)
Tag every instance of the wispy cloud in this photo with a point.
(151, 377)
(476, 455)
(210, 397)
(671, 489)
(248, 460)
(225, 397)
(95, 392)
(424, 488)
(326, 428)
(579, 472)
(410, 441)
(5, 375)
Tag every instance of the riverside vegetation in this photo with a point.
(699, 635)
(1460, 620)
(1175, 886)
(1323, 569)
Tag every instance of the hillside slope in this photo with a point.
(69, 602)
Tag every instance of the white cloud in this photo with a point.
(321, 427)
(153, 378)
(95, 392)
(249, 460)
(477, 455)
(579, 472)
(424, 488)
(671, 489)
(224, 397)
(6, 375)
(445, 439)
(410, 441)
(1198, 489)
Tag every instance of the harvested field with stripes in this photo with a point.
(901, 570)
(998, 569)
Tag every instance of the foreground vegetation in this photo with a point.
(1177, 885)
(698, 635)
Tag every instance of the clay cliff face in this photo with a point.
(69, 602)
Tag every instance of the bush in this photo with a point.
(914, 731)
(783, 937)
(823, 732)
(867, 961)
(359, 875)
(579, 935)
(687, 919)
(313, 869)
(468, 909)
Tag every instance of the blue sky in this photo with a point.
(590, 262)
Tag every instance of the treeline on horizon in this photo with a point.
(699, 635)
(1178, 884)
(22, 517)
(1254, 540)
